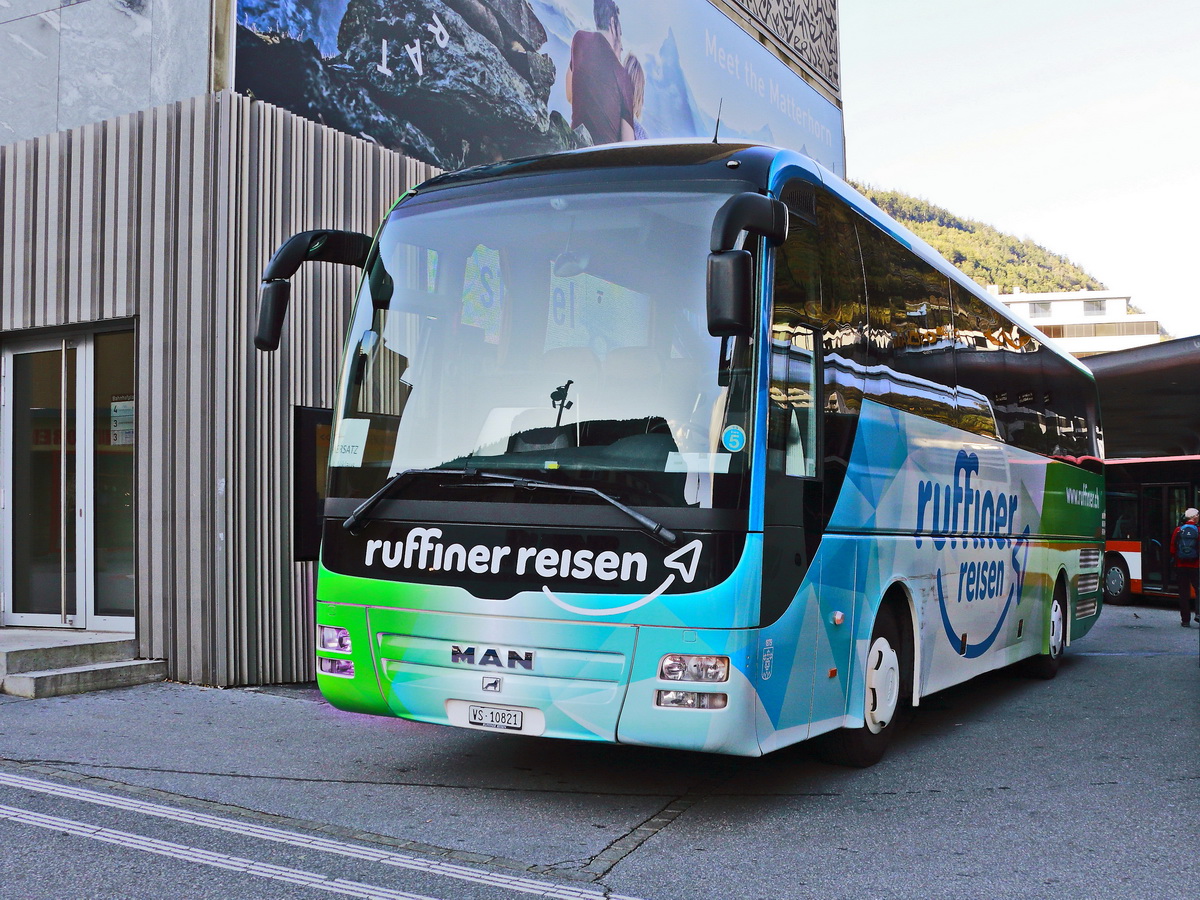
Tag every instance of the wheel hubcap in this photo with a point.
(1056, 628)
(883, 685)
(1114, 581)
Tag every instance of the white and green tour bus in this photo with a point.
(690, 446)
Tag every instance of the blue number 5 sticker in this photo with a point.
(733, 438)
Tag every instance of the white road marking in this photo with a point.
(515, 883)
(206, 857)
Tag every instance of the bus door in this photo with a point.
(815, 392)
(1161, 508)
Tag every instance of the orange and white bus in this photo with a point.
(1145, 502)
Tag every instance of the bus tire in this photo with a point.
(1116, 580)
(885, 680)
(1045, 665)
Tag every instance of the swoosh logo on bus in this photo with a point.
(971, 651)
(684, 561)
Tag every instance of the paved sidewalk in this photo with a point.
(1101, 759)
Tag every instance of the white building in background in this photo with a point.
(1086, 322)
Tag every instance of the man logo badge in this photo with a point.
(492, 656)
(493, 683)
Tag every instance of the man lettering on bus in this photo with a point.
(1185, 552)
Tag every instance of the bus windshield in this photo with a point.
(558, 334)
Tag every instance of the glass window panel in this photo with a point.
(43, 483)
(115, 413)
(911, 344)
(792, 416)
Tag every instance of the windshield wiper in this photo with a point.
(361, 514)
(654, 529)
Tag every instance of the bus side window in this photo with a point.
(793, 409)
(1000, 364)
(792, 430)
(982, 395)
(910, 332)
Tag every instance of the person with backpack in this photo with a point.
(1185, 551)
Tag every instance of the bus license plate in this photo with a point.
(496, 717)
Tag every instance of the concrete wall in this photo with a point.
(74, 63)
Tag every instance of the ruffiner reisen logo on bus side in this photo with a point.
(424, 550)
(958, 513)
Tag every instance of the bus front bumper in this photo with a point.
(576, 680)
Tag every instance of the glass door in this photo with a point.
(66, 483)
(40, 435)
(1162, 511)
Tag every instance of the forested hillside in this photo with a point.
(982, 252)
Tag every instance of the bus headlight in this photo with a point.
(342, 668)
(690, 700)
(333, 638)
(678, 667)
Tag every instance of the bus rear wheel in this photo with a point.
(884, 689)
(1045, 665)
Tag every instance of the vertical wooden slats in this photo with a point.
(167, 217)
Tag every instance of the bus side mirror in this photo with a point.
(730, 271)
(271, 311)
(348, 248)
(730, 293)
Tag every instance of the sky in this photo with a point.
(1073, 123)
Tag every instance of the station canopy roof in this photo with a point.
(1150, 399)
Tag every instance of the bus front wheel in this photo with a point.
(885, 683)
(1116, 580)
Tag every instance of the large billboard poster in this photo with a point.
(461, 82)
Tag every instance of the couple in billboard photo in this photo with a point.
(607, 93)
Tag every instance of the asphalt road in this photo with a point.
(1085, 786)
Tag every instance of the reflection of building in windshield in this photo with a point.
(587, 311)
(483, 293)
